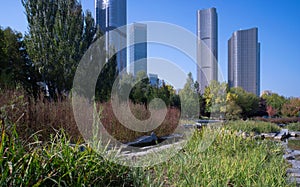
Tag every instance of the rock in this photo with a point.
(290, 158)
(284, 133)
(295, 163)
(281, 125)
(258, 137)
(294, 179)
(196, 125)
(242, 134)
(144, 141)
(245, 135)
(294, 175)
(199, 125)
(239, 133)
(294, 134)
(268, 135)
(293, 170)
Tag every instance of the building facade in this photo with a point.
(153, 78)
(111, 15)
(138, 48)
(244, 60)
(207, 47)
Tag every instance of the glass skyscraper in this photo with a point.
(207, 52)
(110, 15)
(138, 48)
(153, 78)
(244, 60)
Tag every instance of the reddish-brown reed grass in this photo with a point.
(45, 117)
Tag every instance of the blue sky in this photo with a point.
(278, 22)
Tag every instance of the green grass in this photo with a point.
(293, 126)
(56, 163)
(229, 161)
(294, 144)
(252, 126)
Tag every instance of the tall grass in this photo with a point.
(46, 117)
(56, 163)
(123, 134)
(293, 126)
(229, 161)
(31, 116)
(252, 126)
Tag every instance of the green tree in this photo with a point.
(10, 43)
(275, 101)
(141, 92)
(164, 92)
(59, 34)
(202, 111)
(291, 108)
(215, 98)
(16, 68)
(175, 101)
(3, 57)
(233, 110)
(189, 99)
(106, 80)
(90, 33)
(248, 102)
(262, 107)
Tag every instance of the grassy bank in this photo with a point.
(228, 161)
(293, 126)
(55, 163)
(30, 157)
(252, 126)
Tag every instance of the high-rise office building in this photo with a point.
(207, 52)
(153, 78)
(111, 15)
(138, 48)
(244, 60)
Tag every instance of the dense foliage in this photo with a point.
(291, 108)
(274, 103)
(59, 34)
(16, 69)
(188, 97)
